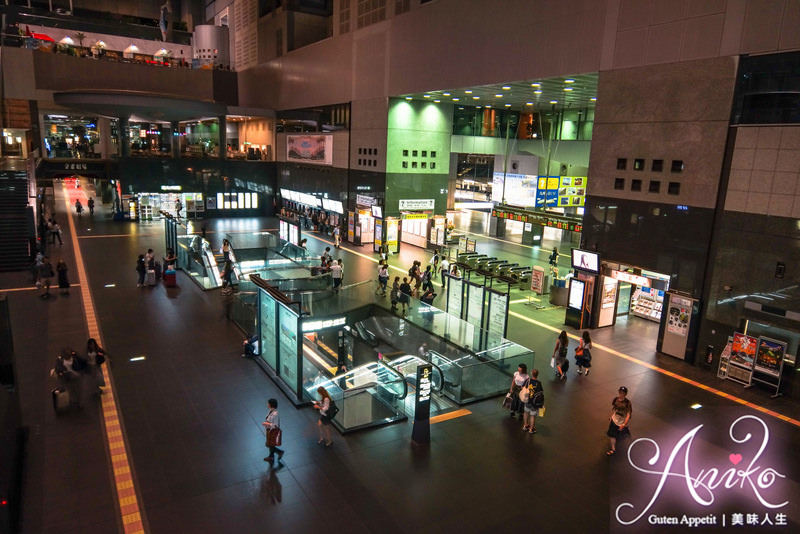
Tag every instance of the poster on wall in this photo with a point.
(287, 341)
(455, 296)
(378, 235)
(609, 295)
(743, 351)
(520, 189)
(769, 357)
(680, 311)
(269, 351)
(316, 149)
(475, 304)
(498, 313)
(392, 226)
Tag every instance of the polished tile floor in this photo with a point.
(192, 411)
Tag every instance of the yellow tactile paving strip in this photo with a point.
(129, 508)
(670, 374)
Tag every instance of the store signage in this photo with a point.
(424, 384)
(498, 313)
(769, 357)
(171, 187)
(313, 326)
(417, 204)
(412, 216)
(632, 279)
(365, 200)
(543, 219)
(712, 481)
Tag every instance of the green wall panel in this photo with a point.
(418, 140)
(415, 186)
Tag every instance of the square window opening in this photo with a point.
(622, 164)
(433, 153)
(619, 184)
(658, 165)
(655, 186)
(636, 185)
(674, 188)
(677, 165)
(638, 164)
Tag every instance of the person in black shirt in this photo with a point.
(405, 294)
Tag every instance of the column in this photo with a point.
(223, 137)
(105, 145)
(125, 137)
(176, 150)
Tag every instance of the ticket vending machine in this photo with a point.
(679, 326)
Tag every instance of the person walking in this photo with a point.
(395, 293)
(553, 259)
(405, 294)
(517, 381)
(383, 279)
(535, 401)
(336, 236)
(415, 275)
(435, 261)
(141, 268)
(178, 208)
(226, 249)
(78, 207)
(91, 206)
(95, 358)
(444, 269)
(63, 280)
(583, 353)
(68, 369)
(336, 274)
(324, 423)
(272, 423)
(621, 411)
(427, 278)
(560, 355)
(45, 274)
(227, 274)
(55, 232)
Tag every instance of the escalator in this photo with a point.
(407, 366)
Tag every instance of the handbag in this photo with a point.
(507, 402)
(274, 437)
(541, 412)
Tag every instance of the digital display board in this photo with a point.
(585, 261)
(576, 288)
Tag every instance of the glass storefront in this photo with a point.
(71, 136)
(561, 124)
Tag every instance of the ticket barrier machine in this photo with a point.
(525, 279)
(483, 262)
(505, 269)
(463, 257)
(472, 261)
(494, 266)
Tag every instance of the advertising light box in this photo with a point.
(585, 261)
(576, 288)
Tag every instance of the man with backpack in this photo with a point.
(532, 397)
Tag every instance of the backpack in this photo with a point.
(332, 410)
(411, 272)
(538, 399)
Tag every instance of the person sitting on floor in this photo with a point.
(250, 347)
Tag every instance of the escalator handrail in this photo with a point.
(399, 374)
(438, 369)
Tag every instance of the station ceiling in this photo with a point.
(579, 93)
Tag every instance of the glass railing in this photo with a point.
(407, 366)
(243, 311)
(197, 259)
(369, 395)
(472, 377)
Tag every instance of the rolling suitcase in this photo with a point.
(61, 400)
(158, 270)
(170, 280)
(150, 278)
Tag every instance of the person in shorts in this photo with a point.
(621, 411)
(534, 403)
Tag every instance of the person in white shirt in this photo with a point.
(336, 273)
(336, 236)
(272, 423)
(445, 269)
(520, 377)
(324, 423)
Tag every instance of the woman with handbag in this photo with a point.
(519, 380)
(324, 423)
(274, 433)
(583, 354)
(395, 294)
(560, 355)
(95, 358)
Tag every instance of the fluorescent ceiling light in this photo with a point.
(455, 99)
(468, 92)
(538, 92)
(508, 105)
(529, 103)
(476, 98)
(536, 85)
(499, 95)
(446, 94)
(437, 101)
(554, 101)
(569, 81)
(593, 99)
(568, 88)
(506, 87)
(427, 96)
(408, 98)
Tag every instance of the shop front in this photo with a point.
(147, 206)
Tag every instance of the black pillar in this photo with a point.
(175, 139)
(223, 137)
(125, 137)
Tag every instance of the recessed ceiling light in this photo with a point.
(455, 99)
(468, 92)
(569, 81)
(696, 406)
(593, 99)
(568, 88)
(476, 98)
(446, 94)
(508, 105)
(506, 87)
(499, 95)
(538, 92)
(460, 108)
(488, 106)
(427, 96)
(554, 101)
(536, 85)
(529, 103)
(479, 107)
(437, 101)
(408, 98)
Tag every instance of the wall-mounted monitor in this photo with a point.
(585, 260)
